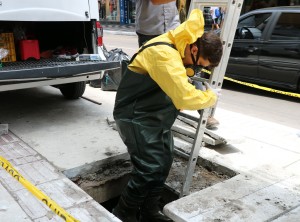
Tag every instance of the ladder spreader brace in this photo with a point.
(233, 10)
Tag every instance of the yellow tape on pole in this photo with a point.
(297, 95)
(36, 192)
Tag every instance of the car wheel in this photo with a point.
(72, 90)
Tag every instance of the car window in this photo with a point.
(287, 27)
(257, 21)
(252, 26)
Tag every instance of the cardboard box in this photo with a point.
(7, 42)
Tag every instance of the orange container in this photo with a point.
(29, 49)
(7, 42)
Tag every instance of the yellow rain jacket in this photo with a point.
(165, 66)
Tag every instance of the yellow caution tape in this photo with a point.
(258, 86)
(264, 88)
(36, 192)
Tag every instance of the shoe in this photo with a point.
(124, 212)
(150, 211)
(212, 123)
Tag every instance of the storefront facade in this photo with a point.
(121, 11)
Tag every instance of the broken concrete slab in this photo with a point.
(256, 196)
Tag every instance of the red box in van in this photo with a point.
(29, 49)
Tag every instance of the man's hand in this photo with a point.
(216, 91)
(160, 2)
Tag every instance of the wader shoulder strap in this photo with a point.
(149, 45)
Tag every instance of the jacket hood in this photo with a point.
(189, 31)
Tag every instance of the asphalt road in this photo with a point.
(237, 98)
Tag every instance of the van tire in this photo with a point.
(73, 90)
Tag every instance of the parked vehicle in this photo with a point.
(266, 48)
(45, 40)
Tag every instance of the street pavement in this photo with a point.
(117, 29)
(265, 155)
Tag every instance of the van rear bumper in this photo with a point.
(19, 75)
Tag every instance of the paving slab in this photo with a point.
(15, 199)
(266, 156)
(256, 196)
(10, 209)
(291, 216)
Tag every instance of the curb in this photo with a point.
(119, 32)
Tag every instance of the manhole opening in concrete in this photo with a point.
(106, 185)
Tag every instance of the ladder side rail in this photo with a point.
(190, 168)
(232, 15)
(197, 145)
(202, 3)
(227, 36)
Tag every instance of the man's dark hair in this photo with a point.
(210, 47)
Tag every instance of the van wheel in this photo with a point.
(73, 90)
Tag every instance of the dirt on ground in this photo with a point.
(202, 177)
(105, 174)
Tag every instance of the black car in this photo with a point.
(266, 48)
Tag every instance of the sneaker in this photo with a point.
(212, 123)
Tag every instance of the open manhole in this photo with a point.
(106, 185)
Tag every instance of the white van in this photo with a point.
(46, 37)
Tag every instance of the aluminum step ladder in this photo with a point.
(233, 10)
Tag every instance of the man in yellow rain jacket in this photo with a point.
(153, 89)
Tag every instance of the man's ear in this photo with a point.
(194, 49)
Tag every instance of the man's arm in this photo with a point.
(159, 2)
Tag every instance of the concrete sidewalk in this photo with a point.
(265, 155)
(17, 204)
